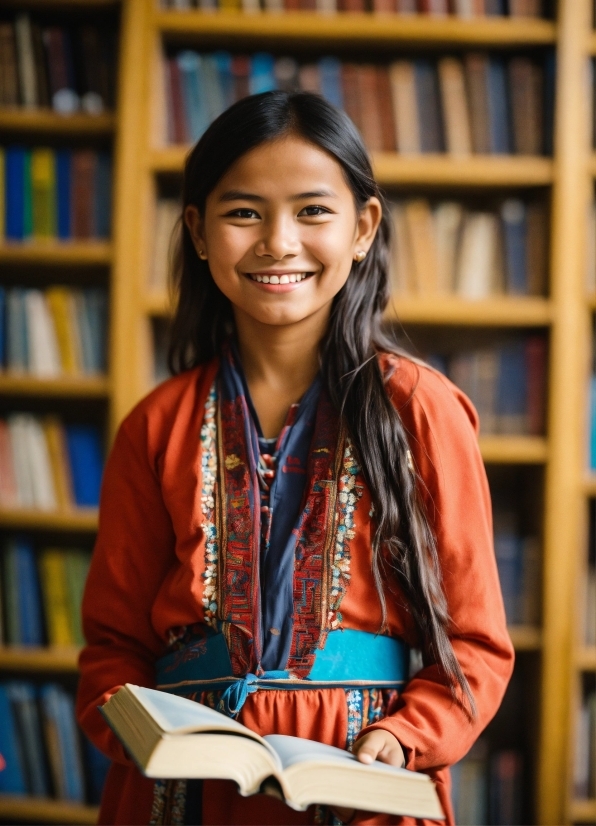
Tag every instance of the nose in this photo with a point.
(279, 239)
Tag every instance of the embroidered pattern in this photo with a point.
(350, 491)
(209, 477)
(365, 707)
(169, 802)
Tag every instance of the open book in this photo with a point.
(172, 737)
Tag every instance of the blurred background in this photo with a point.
(479, 118)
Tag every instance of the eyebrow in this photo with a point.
(239, 195)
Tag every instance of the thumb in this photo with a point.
(368, 747)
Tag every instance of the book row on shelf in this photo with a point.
(47, 193)
(60, 331)
(584, 776)
(439, 247)
(488, 788)
(518, 562)
(47, 464)
(432, 8)
(478, 103)
(41, 594)
(58, 67)
(44, 752)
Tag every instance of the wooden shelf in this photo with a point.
(43, 810)
(47, 121)
(586, 659)
(525, 637)
(513, 450)
(54, 253)
(589, 484)
(422, 170)
(352, 28)
(81, 519)
(583, 811)
(499, 311)
(39, 659)
(83, 386)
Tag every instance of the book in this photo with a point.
(9, 82)
(476, 72)
(513, 217)
(428, 102)
(405, 107)
(458, 138)
(62, 741)
(25, 61)
(23, 699)
(12, 777)
(170, 736)
(476, 275)
(85, 454)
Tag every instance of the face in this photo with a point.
(280, 232)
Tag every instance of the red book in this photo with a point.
(536, 351)
(351, 92)
(386, 109)
(384, 6)
(177, 125)
(369, 107)
(241, 74)
(8, 482)
(84, 164)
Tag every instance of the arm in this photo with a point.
(132, 554)
(442, 425)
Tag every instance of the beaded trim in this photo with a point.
(350, 492)
(209, 473)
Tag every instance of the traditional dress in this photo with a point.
(204, 533)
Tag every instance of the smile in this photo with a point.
(285, 278)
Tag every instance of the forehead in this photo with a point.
(284, 167)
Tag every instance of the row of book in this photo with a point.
(53, 332)
(478, 103)
(47, 464)
(518, 563)
(432, 8)
(44, 752)
(46, 193)
(584, 776)
(66, 69)
(488, 788)
(41, 594)
(505, 382)
(445, 248)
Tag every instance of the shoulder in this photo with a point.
(424, 395)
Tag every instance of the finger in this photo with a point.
(392, 754)
(367, 749)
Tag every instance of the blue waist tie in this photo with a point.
(350, 659)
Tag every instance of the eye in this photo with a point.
(243, 212)
(313, 211)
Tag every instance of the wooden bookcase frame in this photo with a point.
(141, 156)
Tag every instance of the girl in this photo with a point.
(301, 504)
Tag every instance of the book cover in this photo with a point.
(41, 68)
(475, 276)
(64, 746)
(22, 697)
(448, 218)
(15, 192)
(56, 441)
(44, 491)
(240, 73)
(330, 82)
(55, 597)
(83, 193)
(103, 195)
(176, 122)
(537, 244)
(512, 392)
(76, 564)
(536, 358)
(44, 354)
(498, 107)
(3, 332)
(476, 71)
(383, 94)
(419, 221)
(405, 107)
(63, 193)
(12, 778)
(8, 482)
(17, 346)
(458, 138)
(23, 464)
(262, 73)
(93, 323)
(9, 81)
(28, 592)
(369, 106)
(525, 83)
(513, 217)
(43, 193)
(428, 102)
(86, 463)
(25, 61)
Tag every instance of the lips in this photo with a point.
(278, 278)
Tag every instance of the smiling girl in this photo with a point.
(302, 503)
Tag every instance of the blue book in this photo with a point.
(195, 106)
(95, 304)
(2, 327)
(498, 108)
(97, 766)
(223, 62)
(63, 193)
(262, 73)
(86, 464)
(17, 346)
(12, 778)
(28, 592)
(592, 456)
(428, 100)
(513, 216)
(23, 699)
(330, 80)
(508, 551)
(58, 711)
(512, 390)
(15, 192)
(103, 195)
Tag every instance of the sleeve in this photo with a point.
(433, 730)
(132, 554)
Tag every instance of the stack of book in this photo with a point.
(506, 383)
(47, 193)
(49, 465)
(54, 332)
(444, 248)
(44, 752)
(41, 594)
(431, 8)
(518, 562)
(478, 103)
(584, 776)
(68, 70)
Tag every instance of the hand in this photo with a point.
(376, 745)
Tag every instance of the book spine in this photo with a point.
(513, 216)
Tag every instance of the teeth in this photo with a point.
(265, 279)
(292, 279)
(287, 278)
(259, 277)
(284, 279)
(274, 279)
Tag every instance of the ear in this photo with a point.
(367, 225)
(194, 222)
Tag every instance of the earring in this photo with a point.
(360, 256)
(202, 255)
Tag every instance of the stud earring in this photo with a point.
(202, 255)
(360, 256)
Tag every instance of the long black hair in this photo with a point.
(403, 540)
